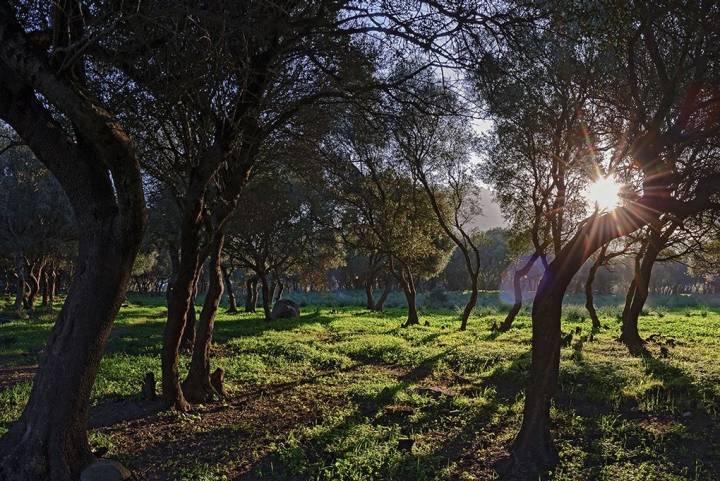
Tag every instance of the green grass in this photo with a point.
(336, 394)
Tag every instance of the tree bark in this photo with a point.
(251, 294)
(266, 301)
(44, 281)
(280, 290)
(589, 298)
(470, 304)
(35, 271)
(197, 387)
(99, 172)
(179, 307)
(370, 303)
(232, 301)
(380, 304)
(517, 292)
(533, 451)
(408, 286)
(21, 288)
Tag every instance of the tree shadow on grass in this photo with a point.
(620, 430)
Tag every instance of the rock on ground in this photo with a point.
(285, 308)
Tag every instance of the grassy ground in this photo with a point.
(345, 394)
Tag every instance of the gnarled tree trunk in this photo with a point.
(99, 172)
(180, 303)
(197, 387)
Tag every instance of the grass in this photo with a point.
(345, 394)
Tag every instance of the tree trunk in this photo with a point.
(33, 280)
(517, 292)
(589, 299)
(411, 298)
(470, 304)
(197, 387)
(380, 304)
(232, 302)
(369, 294)
(52, 280)
(188, 336)
(533, 450)
(181, 301)
(99, 173)
(251, 294)
(21, 289)
(44, 288)
(280, 289)
(266, 301)
(630, 335)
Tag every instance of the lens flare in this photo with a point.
(604, 193)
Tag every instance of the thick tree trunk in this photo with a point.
(232, 301)
(251, 294)
(197, 387)
(517, 292)
(380, 304)
(370, 302)
(183, 290)
(411, 297)
(280, 290)
(100, 175)
(266, 301)
(470, 306)
(533, 450)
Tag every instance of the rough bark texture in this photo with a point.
(98, 170)
(178, 308)
(197, 387)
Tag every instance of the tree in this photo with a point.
(437, 147)
(660, 120)
(279, 229)
(91, 155)
(379, 207)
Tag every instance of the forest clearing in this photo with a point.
(343, 394)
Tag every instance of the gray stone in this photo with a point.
(105, 470)
(285, 308)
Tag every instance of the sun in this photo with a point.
(604, 193)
